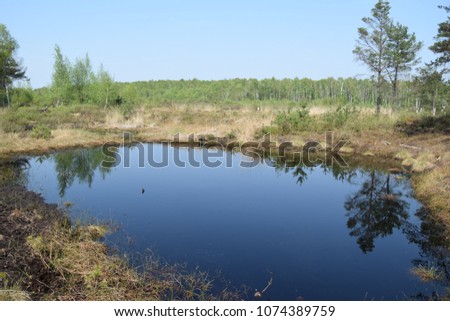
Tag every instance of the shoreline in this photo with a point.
(45, 256)
(426, 155)
(376, 147)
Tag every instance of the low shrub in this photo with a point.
(41, 132)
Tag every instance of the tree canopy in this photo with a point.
(371, 47)
(442, 45)
(387, 48)
(77, 82)
(10, 67)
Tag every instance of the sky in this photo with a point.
(175, 39)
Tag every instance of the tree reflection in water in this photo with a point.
(378, 208)
(431, 236)
(80, 164)
(12, 171)
(375, 210)
(300, 168)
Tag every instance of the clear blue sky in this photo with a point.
(143, 40)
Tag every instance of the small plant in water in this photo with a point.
(427, 274)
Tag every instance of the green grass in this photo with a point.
(347, 118)
(22, 119)
(41, 132)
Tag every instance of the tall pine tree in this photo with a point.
(10, 67)
(372, 44)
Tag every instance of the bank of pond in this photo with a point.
(299, 230)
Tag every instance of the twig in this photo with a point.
(410, 146)
(259, 294)
(268, 285)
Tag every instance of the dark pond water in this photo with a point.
(322, 233)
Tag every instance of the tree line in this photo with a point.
(387, 48)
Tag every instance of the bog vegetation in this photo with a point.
(403, 97)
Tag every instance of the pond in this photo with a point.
(319, 232)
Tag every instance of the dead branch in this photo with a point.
(410, 146)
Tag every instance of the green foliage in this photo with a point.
(431, 89)
(402, 50)
(266, 130)
(77, 83)
(22, 95)
(338, 118)
(61, 78)
(346, 118)
(10, 66)
(387, 49)
(373, 38)
(442, 45)
(293, 120)
(41, 132)
(82, 77)
(236, 93)
(22, 119)
(102, 88)
(232, 135)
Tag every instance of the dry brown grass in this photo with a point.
(427, 274)
(87, 271)
(433, 188)
(427, 155)
(164, 123)
(11, 143)
(114, 119)
(13, 294)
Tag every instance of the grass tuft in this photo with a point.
(427, 274)
(423, 163)
(402, 155)
(87, 271)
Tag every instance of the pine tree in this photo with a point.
(402, 52)
(442, 44)
(372, 44)
(10, 66)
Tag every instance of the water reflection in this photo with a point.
(12, 172)
(375, 210)
(300, 168)
(432, 238)
(372, 205)
(81, 164)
